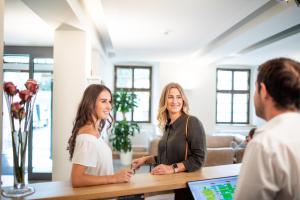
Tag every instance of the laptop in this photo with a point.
(216, 188)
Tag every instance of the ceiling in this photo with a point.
(216, 31)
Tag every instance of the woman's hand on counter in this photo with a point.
(136, 163)
(162, 169)
(123, 175)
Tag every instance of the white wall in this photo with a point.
(71, 66)
(106, 70)
(102, 69)
(199, 83)
(1, 74)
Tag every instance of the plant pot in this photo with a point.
(126, 158)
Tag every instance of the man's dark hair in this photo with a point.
(281, 77)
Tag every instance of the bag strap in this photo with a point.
(186, 137)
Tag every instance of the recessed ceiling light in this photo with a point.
(167, 32)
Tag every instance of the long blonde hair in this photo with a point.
(163, 114)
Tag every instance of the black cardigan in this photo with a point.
(171, 148)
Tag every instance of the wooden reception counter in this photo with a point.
(139, 184)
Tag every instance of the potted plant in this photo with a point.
(123, 130)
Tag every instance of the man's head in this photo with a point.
(278, 82)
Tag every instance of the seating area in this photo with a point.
(219, 149)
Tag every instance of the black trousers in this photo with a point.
(183, 194)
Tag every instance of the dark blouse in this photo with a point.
(171, 148)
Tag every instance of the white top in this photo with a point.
(271, 164)
(93, 153)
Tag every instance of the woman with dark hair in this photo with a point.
(90, 155)
(183, 145)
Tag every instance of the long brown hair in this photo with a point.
(163, 114)
(85, 113)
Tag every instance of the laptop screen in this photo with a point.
(217, 188)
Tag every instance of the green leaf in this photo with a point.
(124, 102)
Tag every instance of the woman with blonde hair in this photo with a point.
(183, 145)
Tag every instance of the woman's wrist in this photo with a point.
(111, 179)
(146, 158)
(172, 170)
(175, 168)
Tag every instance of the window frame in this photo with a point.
(132, 89)
(233, 92)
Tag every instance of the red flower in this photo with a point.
(32, 86)
(16, 107)
(18, 111)
(25, 95)
(10, 88)
(23, 109)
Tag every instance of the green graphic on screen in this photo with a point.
(215, 192)
(214, 189)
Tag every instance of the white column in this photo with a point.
(1, 74)
(71, 66)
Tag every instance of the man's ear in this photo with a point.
(263, 91)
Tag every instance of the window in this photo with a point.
(137, 80)
(233, 92)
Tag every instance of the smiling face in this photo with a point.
(103, 105)
(174, 101)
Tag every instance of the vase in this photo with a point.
(20, 188)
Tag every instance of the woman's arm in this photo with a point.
(197, 145)
(80, 179)
(150, 159)
(168, 169)
(136, 163)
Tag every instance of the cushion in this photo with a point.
(219, 141)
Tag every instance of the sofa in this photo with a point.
(219, 149)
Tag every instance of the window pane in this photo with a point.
(223, 107)
(141, 78)
(241, 80)
(141, 113)
(43, 61)
(41, 148)
(224, 80)
(124, 78)
(16, 62)
(16, 59)
(43, 64)
(240, 102)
